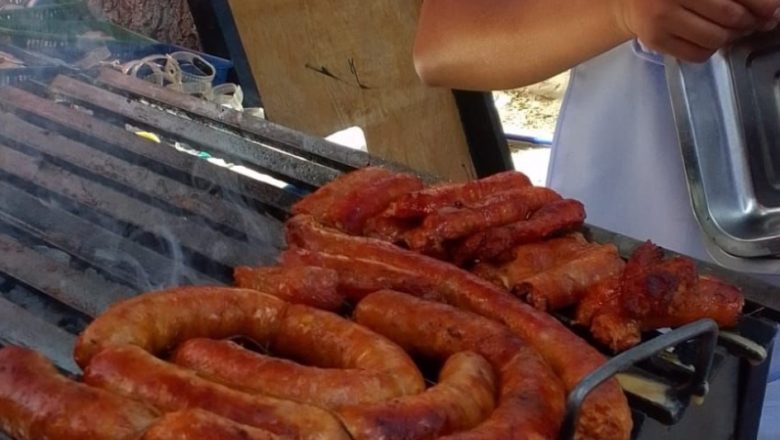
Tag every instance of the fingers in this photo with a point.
(701, 32)
(765, 10)
(726, 13)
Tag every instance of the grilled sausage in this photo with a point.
(196, 424)
(36, 403)
(463, 398)
(421, 203)
(531, 397)
(605, 413)
(311, 286)
(134, 373)
(162, 320)
(318, 203)
(451, 224)
(497, 243)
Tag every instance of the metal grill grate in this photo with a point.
(91, 213)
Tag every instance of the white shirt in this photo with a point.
(616, 150)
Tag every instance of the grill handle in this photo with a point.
(706, 330)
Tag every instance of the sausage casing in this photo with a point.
(36, 402)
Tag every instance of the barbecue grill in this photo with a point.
(110, 186)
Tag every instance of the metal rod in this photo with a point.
(21, 328)
(139, 150)
(188, 230)
(271, 160)
(138, 266)
(706, 330)
(137, 178)
(315, 149)
(83, 291)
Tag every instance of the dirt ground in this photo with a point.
(533, 109)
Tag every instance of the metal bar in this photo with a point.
(82, 290)
(484, 133)
(142, 150)
(705, 329)
(223, 17)
(316, 149)
(188, 230)
(275, 162)
(143, 269)
(134, 177)
(21, 328)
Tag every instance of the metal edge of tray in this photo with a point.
(712, 142)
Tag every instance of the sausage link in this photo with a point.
(531, 397)
(132, 372)
(36, 402)
(463, 398)
(311, 286)
(160, 321)
(605, 413)
(196, 424)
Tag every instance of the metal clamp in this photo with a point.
(707, 332)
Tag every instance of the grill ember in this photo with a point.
(92, 213)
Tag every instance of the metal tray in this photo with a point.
(727, 113)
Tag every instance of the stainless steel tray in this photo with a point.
(727, 113)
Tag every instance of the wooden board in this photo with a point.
(326, 65)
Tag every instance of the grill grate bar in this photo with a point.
(275, 162)
(109, 202)
(144, 269)
(84, 291)
(315, 149)
(134, 149)
(20, 327)
(134, 178)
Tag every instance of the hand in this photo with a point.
(693, 30)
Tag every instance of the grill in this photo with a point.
(111, 186)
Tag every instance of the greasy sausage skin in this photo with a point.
(160, 321)
(463, 398)
(36, 403)
(531, 397)
(132, 372)
(230, 364)
(196, 424)
(605, 413)
(311, 286)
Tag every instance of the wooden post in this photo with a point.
(326, 65)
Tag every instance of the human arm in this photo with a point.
(502, 44)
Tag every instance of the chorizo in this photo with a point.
(566, 284)
(318, 203)
(36, 402)
(605, 413)
(452, 224)
(530, 403)
(228, 363)
(311, 286)
(134, 373)
(462, 399)
(196, 424)
(159, 321)
(497, 243)
(421, 203)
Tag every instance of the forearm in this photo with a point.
(502, 44)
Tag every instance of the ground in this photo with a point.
(532, 109)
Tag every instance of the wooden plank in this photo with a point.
(331, 64)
